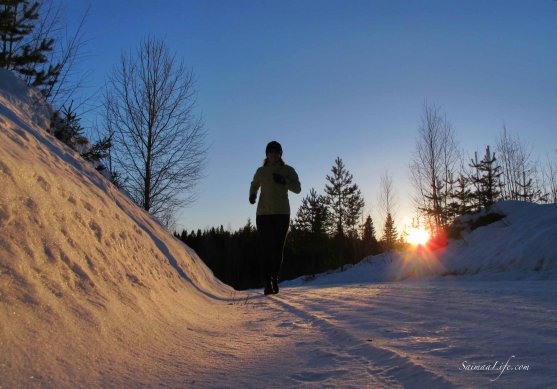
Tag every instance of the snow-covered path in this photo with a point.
(411, 334)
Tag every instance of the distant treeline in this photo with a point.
(234, 257)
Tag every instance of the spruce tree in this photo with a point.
(486, 179)
(526, 190)
(22, 50)
(369, 241)
(65, 125)
(475, 179)
(461, 197)
(312, 214)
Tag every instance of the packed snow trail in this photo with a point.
(384, 335)
(413, 334)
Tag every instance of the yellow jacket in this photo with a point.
(274, 196)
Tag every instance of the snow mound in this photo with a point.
(88, 281)
(521, 245)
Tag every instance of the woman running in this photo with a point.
(275, 179)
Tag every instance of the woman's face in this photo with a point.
(273, 156)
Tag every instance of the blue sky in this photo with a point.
(340, 78)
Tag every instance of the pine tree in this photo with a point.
(344, 200)
(355, 207)
(21, 50)
(390, 233)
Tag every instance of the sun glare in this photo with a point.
(417, 236)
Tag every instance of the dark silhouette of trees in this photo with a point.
(486, 179)
(344, 200)
(370, 245)
(345, 203)
(550, 178)
(312, 214)
(462, 198)
(390, 234)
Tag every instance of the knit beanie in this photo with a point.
(274, 145)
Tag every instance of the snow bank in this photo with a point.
(89, 283)
(519, 246)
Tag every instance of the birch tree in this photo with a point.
(433, 166)
(159, 141)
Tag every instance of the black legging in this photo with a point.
(272, 231)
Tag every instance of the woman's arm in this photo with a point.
(293, 182)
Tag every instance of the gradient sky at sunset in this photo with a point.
(340, 78)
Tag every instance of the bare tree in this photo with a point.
(433, 166)
(159, 141)
(518, 168)
(68, 52)
(550, 178)
(386, 197)
(387, 203)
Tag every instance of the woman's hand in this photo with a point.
(279, 179)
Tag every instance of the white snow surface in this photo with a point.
(95, 293)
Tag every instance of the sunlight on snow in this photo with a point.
(420, 261)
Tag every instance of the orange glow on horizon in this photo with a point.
(421, 260)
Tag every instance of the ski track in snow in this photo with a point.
(413, 334)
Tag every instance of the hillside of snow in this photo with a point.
(90, 285)
(519, 246)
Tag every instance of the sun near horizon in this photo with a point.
(418, 236)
